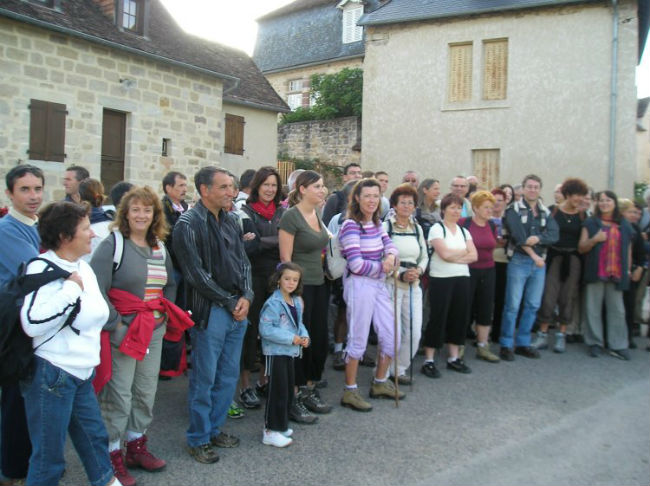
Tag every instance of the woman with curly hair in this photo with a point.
(143, 274)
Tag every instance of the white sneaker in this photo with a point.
(275, 439)
(287, 433)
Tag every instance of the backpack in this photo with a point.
(467, 222)
(16, 347)
(118, 251)
(335, 262)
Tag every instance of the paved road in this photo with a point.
(562, 420)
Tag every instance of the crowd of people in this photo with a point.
(238, 282)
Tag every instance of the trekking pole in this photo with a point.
(411, 334)
(395, 279)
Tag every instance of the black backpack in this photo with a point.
(16, 347)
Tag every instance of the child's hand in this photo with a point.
(304, 342)
(297, 340)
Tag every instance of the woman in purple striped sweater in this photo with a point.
(371, 255)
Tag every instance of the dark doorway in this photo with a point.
(113, 135)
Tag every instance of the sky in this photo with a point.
(232, 22)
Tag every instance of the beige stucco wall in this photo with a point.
(554, 122)
(280, 80)
(260, 139)
(164, 102)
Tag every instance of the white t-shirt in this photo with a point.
(441, 268)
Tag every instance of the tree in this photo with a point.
(336, 95)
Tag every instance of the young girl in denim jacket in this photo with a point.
(283, 337)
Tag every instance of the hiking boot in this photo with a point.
(429, 369)
(459, 366)
(385, 389)
(484, 353)
(506, 354)
(249, 399)
(234, 412)
(541, 341)
(299, 413)
(312, 400)
(367, 360)
(352, 399)
(527, 352)
(275, 439)
(204, 453)
(137, 455)
(623, 354)
(338, 363)
(261, 390)
(320, 384)
(403, 380)
(560, 343)
(119, 468)
(225, 441)
(595, 351)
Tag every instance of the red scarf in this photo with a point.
(266, 211)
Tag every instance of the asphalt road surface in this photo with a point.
(561, 420)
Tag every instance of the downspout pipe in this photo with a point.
(613, 97)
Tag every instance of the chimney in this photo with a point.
(107, 7)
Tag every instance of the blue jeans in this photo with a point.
(57, 403)
(525, 280)
(216, 351)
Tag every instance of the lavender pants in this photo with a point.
(368, 302)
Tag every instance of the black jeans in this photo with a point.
(449, 300)
(310, 366)
(15, 445)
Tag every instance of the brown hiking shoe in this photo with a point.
(352, 399)
(385, 389)
(484, 353)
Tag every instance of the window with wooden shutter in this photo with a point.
(234, 143)
(485, 166)
(460, 72)
(495, 69)
(46, 131)
(351, 31)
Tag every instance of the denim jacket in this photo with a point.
(277, 327)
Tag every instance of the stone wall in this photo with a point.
(160, 101)
(335, 141)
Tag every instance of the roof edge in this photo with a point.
(313, 63)
(252, 104)
(364, 18)
(115, 45)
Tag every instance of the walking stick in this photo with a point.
(411, 334)
(395, 339)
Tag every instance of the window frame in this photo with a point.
(350, 31)
(139, 16)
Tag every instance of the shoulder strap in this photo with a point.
(467, 222)
(493, 227)
(390, 229)
(118, 251)
(35, 281)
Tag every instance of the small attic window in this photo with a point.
(132, 15)
(351, 31)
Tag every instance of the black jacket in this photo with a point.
(171, 215)
(267, 256)
(192, 239)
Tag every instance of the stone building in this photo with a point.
(643, 140)
(309, 37)
(503, 88)
(120, 88)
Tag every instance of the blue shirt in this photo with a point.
(18, 243)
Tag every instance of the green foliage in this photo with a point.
(639, 189)
(337, 95)
(332, 173)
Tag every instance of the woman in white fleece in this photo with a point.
(59, 398)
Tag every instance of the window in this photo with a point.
(485, 166)
(234, 140)
(351, 31)
(460, 72)
(46, 131)
(132, 15)
(295, 85)
(294, 100)
(495, 69)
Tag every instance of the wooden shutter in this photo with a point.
(495, 69)
(234, 140)
(47, 131)
(460, 72)
(351, 31)
(485, 166)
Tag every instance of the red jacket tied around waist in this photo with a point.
(138, 336)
